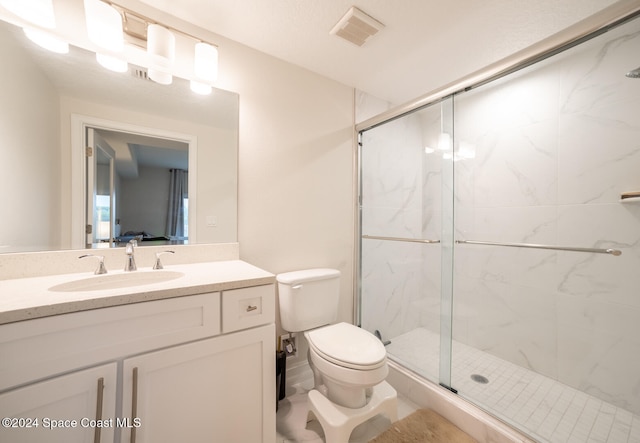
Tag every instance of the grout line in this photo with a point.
(541, 400)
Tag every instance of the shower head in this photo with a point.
(633, 74)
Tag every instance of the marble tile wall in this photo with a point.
(555, 145)
(401, 188)
(391, 207)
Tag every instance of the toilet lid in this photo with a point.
(347, 345)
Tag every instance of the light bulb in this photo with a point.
(112, 63)
(47, 41)
(161, 45)
(38, 12)
(160, 76)
(200, 88)
(104, 25)
(206, 62)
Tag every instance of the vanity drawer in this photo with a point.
(30, 350)
(248, 307)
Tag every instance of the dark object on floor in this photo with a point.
(281, 372)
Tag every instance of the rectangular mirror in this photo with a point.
(49, 103)
(137, 186)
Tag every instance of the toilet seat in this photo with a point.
(348, 376)
(347, 346)
(346, 362)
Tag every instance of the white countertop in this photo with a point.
(28, 298)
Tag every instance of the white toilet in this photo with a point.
(349, 364)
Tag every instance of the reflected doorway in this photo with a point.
(137, 186)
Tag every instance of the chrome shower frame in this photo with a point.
(598, 24)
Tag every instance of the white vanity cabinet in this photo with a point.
(41, 412)
(156, 371)
(214, 390)
(217, 389)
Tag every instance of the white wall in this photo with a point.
(144, 201)
(29, 172)
(295, 200)
(296, 188)
(296, 207)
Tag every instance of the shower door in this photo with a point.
(403, 203)
(500, 248)
(546, 319)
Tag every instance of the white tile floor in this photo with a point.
(543, 408)
(292, 426)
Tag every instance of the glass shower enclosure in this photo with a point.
(500, 241)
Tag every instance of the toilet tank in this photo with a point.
(308, 298)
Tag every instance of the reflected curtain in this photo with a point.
(178, 191)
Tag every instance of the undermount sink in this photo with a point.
(116, 281)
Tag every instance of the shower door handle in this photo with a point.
(402, 239)
(614, 252)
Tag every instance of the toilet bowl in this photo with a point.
(349, 364)
(346, 362)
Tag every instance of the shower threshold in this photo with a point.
(547, 410)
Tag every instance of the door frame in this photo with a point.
(79, 125)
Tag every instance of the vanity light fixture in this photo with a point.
(111, 63)
(104, 25)
(205, 65)
(158, 76)
(37, 12)
(108, 26)
(201, 88)
(161, 47)
(46, 40)
(104, 28)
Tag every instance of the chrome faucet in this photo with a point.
(158, 263)
(131, 261)
(100, 269)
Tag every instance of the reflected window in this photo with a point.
(103, 217)
(185, 203)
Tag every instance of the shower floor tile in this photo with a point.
(547, 410)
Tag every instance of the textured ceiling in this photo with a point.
(425, 43)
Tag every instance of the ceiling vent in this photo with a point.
(140, 73)
(356, 26)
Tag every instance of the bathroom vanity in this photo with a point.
(189, 357)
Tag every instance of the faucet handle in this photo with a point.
(100, 269)
(158, 264)
(133, 243)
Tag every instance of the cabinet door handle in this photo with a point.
(100, 392)
(251, 308)
(134, 403)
